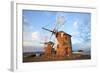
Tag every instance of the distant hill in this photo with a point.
(32, 49)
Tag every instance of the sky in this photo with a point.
(77, 24)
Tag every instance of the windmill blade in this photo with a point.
(60, 20)
(54, 30)
(47, 29)
(43, 42)
(51, 35)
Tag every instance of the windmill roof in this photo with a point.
(65, 33)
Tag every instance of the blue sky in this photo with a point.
(71, 23)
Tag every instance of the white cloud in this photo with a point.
(75, 26)
(26, 24)
(31, 39)
(76, 33)
(27, 43)
(84, 46)
(25, 20)
(74, 40)
(35, 36)
(26, 36)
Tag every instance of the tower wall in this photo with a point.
(64, 47)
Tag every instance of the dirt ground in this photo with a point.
(42, 58)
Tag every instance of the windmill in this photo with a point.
(47, 46)
(64, 47)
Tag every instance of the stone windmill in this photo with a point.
(64, 46)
